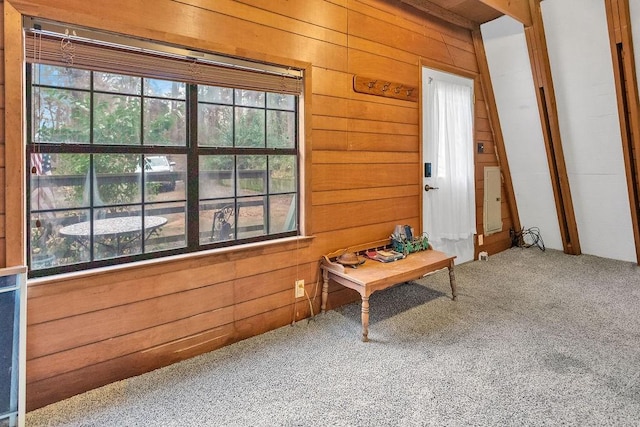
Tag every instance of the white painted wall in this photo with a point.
(515, 95)
(580, 57)
(581, 66)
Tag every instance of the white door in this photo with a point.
(449, 215)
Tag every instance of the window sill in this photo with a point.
(214, 255)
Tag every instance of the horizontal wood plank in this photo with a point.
(348, 215)
(351, 176)
(364, 194)
(364, 171)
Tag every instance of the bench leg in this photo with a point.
(325, 290)
(452, 282)
(365, 319)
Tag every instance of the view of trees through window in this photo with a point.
(128, 167)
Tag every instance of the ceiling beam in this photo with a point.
(517, 9)
(442, 13)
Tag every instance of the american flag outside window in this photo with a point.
(41, 163)
(42, 197)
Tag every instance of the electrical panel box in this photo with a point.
(492, 209)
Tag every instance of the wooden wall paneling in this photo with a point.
(254, 307)
(3, 196)
(2, 39)
(57, 335)
(329, 123)
(349, 215)
(351, 140)
(442, 13)
(79, 296)
(411, 18)
(484, 136)
(390, 128)
(140, 271)
(254, 287)
(341, 239)
(13, 186)
(463, 59)
(483, 127)
(394, 41)
(205, 28)
(331, 82)
(537, 47)
(445, 30)
(320, 13)
(517, 9)
(373, 65)
(330, 139)
(315, 20)
(363, 194)
(43, 392)
(366, 157)
(331, 106)
(75, 358)
(249, 266)
(406, 113)
(464, 45)
(383, 142)
(393, 52)
(625, 78)
(498, 242)
(265, 322)
(345, 176)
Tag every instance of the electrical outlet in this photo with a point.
(480, 240)
(299, 288)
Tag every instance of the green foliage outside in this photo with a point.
(118, 114)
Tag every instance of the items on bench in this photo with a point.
(372, 276)
(403, 240)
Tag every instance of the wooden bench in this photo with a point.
(374, 275)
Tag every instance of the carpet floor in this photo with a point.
(535, 339)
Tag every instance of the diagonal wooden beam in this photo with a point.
(517, 9)
(442, 13)
(624, 72)
(496, 129)
(539, 56)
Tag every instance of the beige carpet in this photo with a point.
(535, 338)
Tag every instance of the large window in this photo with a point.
(126, 165)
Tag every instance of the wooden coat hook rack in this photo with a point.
(385, 88)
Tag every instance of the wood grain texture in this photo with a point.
(361, 168)
(517, 9)
(13, 187)
(545, 95)
(624, 72)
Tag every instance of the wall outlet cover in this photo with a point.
(299, 288)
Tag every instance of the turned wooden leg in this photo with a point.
(365, 319)
(452, 281)
(325, 290)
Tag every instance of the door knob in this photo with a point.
(428, 187)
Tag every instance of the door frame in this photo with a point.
(451, 69)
